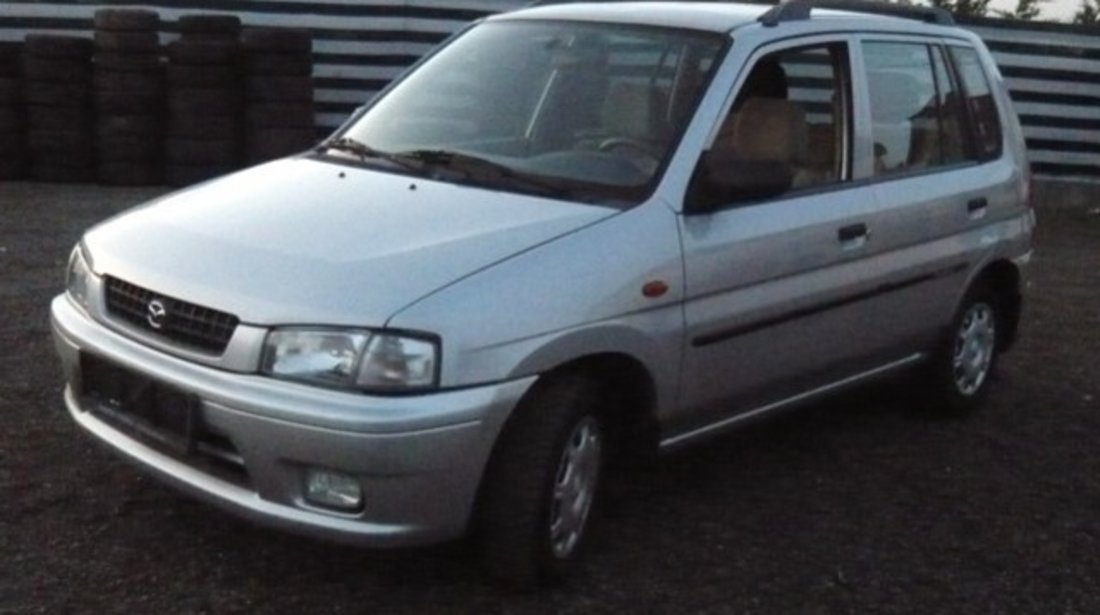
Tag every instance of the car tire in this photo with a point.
(203, 26)
(111, 102)
(61, 173)
(279, 89)
(12, 144)
(11, 92)
(42, 117)
(53, 69)
(12, 167)
(136, 149)
(127, 62)
(198, 125)
(11, 59)
(203, 76)
(279, 142)
(180, 175)
(72, 146)
(121, 125)
(203, 52)
(180, 104)
(548, 460)
(281, 40)
(11, 121)
(126, 42)
(261, 116)
(199, 152)
(960, 373)
(149, 83)
(126, 20)
(128, 173)
(58, 94)
(283, 64)
(58, 46)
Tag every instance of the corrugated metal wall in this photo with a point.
(1053, 73)
(1052, 70)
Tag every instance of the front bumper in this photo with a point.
(419, 459)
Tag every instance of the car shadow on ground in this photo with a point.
(751, 460)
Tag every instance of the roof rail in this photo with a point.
(798, 10)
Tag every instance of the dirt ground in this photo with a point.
(858, 505)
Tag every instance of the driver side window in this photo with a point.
(785, 132)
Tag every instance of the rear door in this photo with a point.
(935, 185)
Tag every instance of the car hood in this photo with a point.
(301, 241)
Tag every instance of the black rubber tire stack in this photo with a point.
(279, 115)
(129, 96)
(57, 96)
(205, 106)
(13, 153)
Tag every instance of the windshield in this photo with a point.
(572, 110)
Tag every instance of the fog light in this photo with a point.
(333, 490)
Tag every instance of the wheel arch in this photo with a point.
(628, 391)
(632, 422)
(1003, 277)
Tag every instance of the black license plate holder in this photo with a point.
(140, 405)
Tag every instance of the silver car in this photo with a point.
(574, 234)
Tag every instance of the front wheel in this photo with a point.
(542, 484)
(962, 369)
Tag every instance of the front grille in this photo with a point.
(184, 323)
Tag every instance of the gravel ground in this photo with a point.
(858, 505)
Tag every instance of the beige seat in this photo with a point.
(632, 110)
(770, 130)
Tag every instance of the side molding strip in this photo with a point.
(713, 428)
(725, 334)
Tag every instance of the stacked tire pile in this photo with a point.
(12, 137)
(129, 94)
(204, 100)
(60, 140)
(279, 114)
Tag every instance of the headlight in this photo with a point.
(77, 277)
(369, 360)
(394, 362)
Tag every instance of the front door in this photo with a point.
(776, 273)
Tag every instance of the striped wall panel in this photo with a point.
(359, 45)
(1053, 75)
(1052, 70)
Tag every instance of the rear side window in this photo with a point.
(916, 119)
(979, 102)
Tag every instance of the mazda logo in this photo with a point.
(156, 314)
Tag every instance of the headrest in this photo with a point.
(628, 110)
(894, 96)
(767, 80)
(769, 129)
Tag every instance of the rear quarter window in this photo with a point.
(978, 96)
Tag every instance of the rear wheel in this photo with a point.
(542, 484)
(962, 370)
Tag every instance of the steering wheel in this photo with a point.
(638, 145)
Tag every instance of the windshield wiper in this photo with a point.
(483, 170)
(364, 151)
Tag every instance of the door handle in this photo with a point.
(975, 205)
(852, 232)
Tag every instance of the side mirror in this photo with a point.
(722, 178)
